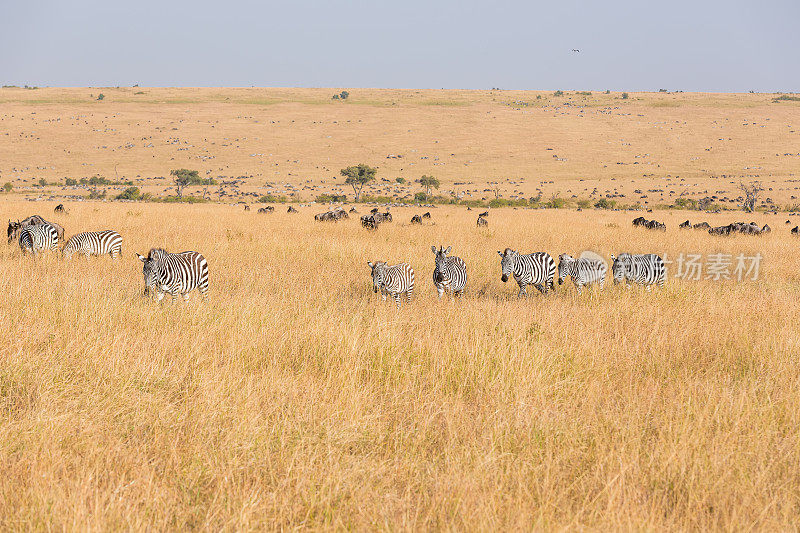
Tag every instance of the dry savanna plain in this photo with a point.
(292, 397)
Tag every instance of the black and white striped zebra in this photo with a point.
(39, 237)
(394, 280)
(644, 269)
(449, 273)
(94, 243)
(537, 269)
(583, 271)
(175, 274)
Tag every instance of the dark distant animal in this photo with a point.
(353, 210)
(649, 224)
(702, 225)
(59, 209)
(449, 272)
(482, 222)
(646, 269)
(94, 243)
(484, 214)
(685, 225)
(788, 221)
(639, 221)
(370, 222)
(537, 269)
(795, 230)
(427, 215)
(373, 210)
(178, 273)
(416, 219)
(392, 280)
(387, 217)
(291, 210)
(267, 209)
(583, 271)
(246, 207)
(766, 229)
(38, 237)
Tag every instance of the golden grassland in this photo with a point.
(296, 140)
(294, 398)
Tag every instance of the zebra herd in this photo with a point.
(164, 272)
(537, 269)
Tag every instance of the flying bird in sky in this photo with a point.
(575, 50)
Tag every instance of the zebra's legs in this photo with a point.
(185, 296)
(440, 291)
(396, 297)
(159, 296)
(522, 291)
(408, 295)
(542, 288)
(579, 288)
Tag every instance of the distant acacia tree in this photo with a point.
(428, 183)
(751, 193)
(358, 176)
(183, 177)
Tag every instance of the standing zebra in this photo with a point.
(450, 273)
(174, 273)
(38, 237)
(394, 280)
(94, 243)
(583, 271)
(537, 269)
(646, 269)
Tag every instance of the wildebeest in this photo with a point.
(34, 220)
(370, 222)
(766, 229)
(246, 207)
(701, 225)
(482, 222)
(353, 210)
(291, 209)
(740, 227)
(59, 209)
(334, 215)
(484, 214)
(267, 209)
(685, 225)
(427, 215)
(416, 219)
(795, 230)
(649, 224)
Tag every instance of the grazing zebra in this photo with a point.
(38, 237)
(645, 269)
(94, 243)
(537, 269)
(416, 219)
(174, 273)
(15, 227)
(394, 280)
(583, 271)
(450, 273)
(482, 222)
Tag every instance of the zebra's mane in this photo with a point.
(156, 251)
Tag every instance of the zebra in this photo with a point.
(38, 237)
(644, 269)
(34, 220)
(537, 269)
(482, 222)
(94, 243)
(583, 271)
(178, 273)
(449, 274)
(394, 280)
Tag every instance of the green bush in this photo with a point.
(271, 199)
(101, 96)
(624, 96)
(328, 198)
(400, 180)
(558, 93)
(604, 203)
(42, 182)
(131, 193)
(584, 204)
(70, 181)
(183, 200)
(7, 186)
(420, 197)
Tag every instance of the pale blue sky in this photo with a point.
(697, 45)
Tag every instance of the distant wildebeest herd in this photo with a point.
(180, 273)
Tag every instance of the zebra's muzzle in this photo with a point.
(560, 281)
(504, 277)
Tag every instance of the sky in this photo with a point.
(644, 45)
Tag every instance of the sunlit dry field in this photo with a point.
(294, 398)
(649, 148)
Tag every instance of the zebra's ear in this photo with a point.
(448, 250)
(141, 258)
(613, 258)
(371, 265)
(433, 249)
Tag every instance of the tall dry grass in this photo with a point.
(294, 398)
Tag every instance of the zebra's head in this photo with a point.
(378, 274)
(565, 265)
(150, 269)
(619, 267)
(508, 260)
(13, 230)
(441, 262)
